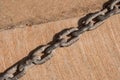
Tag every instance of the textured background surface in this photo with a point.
(15, 12)
(96, 56)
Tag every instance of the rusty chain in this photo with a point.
(64, 38)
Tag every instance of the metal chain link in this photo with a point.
(64, 38)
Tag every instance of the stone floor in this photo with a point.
(16, 12)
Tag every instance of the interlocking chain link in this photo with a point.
(64, 38)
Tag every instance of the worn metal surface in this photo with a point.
(64, 38)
